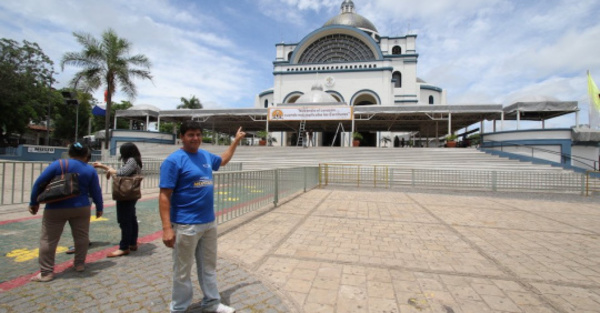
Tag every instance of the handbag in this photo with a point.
(127, 187)
(61, 187)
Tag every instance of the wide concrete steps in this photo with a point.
(260, 157)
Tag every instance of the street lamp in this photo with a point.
(71, 100)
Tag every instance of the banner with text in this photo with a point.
(310, 113)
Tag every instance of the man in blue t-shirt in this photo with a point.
(188, 218)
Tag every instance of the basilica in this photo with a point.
(344, 82)
(348, 62)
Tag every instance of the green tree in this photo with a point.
(25, 86)
(474, 139)
(64, 117)
(106, 63)
(167, 127)
(192, 103)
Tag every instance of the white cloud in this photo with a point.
(478, 51)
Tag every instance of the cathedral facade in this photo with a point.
(353, 64)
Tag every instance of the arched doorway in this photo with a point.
(366, 98)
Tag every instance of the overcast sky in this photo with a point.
(479, 51)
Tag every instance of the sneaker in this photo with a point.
(222, 308)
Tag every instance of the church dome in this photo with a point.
(348, 17)
(316, 95)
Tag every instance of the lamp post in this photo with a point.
(70, 100)
(48, 125)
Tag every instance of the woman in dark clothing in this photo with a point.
(126, 216)
(74, 210)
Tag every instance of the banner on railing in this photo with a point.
(324, 113)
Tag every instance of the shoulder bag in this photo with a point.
(127, 187)
(61, 187)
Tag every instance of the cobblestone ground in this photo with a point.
(140, 282)
(20, 241)
(360, 250)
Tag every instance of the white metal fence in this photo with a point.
(240, 192)
(17, 178)
(520, 181)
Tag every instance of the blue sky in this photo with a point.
(485, 51)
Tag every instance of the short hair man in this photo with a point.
(188, 218)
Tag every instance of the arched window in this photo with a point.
(398, 77)
(290, 55)
(336, 48)
(266, 103)
(396, 50)
(430, 99)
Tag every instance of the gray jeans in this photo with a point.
(197, 241)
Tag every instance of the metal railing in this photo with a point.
(382, 176)
(17, 178)
(355, 175)
(237, 193)
(592, 183)
(582, 161)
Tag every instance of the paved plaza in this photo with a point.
(344, 250)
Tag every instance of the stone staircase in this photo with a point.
(262, 157)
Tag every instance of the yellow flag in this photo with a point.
(593, 92)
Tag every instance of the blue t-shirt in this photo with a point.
(89, 185)
(190, 176)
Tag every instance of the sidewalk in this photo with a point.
(347, 250)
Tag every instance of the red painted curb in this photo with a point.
(98, 255)
(93, 257)
(21, 219)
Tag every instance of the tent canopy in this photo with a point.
(539, 110)
(427, 120)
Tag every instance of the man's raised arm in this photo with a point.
(228, 154)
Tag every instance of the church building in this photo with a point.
(347, 62)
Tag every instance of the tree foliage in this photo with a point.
(25, 86)
(191, 103)
(66, 115)
(106, 63)
(167, 127)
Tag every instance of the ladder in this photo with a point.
(336, 133)
(301, 134)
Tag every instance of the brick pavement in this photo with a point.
(365, 250)
(349, 250)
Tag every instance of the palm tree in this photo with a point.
(107, 63)
(192, 103)
(386, 140)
